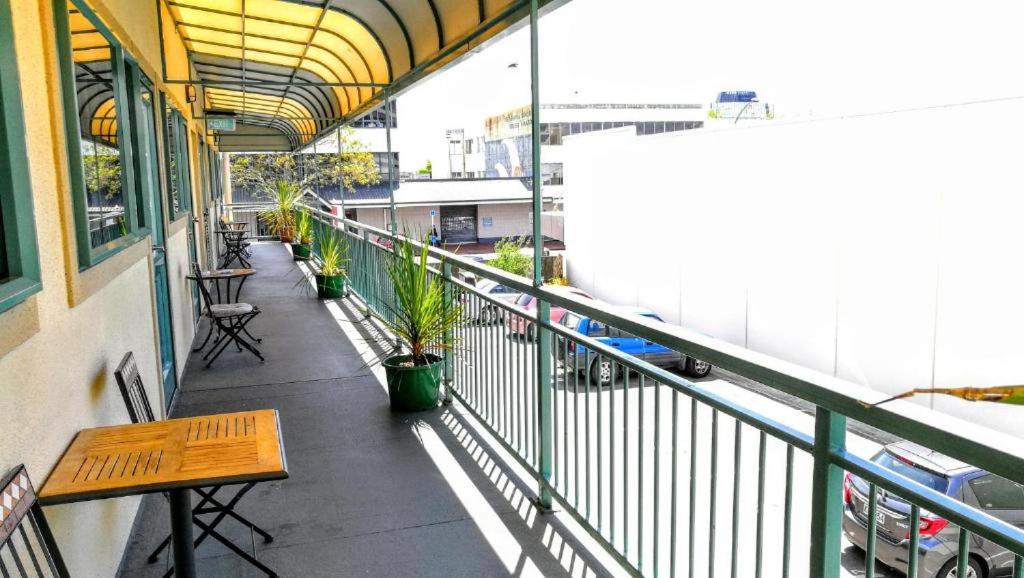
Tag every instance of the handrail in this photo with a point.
(1002, 454)
(991, 451)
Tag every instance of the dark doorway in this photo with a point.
(458, 224)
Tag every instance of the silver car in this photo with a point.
(989, 493)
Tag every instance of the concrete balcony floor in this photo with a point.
(371, 493)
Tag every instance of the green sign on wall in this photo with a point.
(223, 123)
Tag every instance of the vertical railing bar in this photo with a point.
(759, 531)
(915, 540)
(565, 428)
(787, 513)
(586, 438)
(827, 494)
(640, 481)
(1018, 567)
(611, 450)
(691, 536)
(600, 443)
(657, 476)
(872, 539)
(625, 461)
(736, 480)
(556, 470)
(576, 423)
(714, 493)
(963, 551)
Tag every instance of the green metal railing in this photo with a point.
(644, 464)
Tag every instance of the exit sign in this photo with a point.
(224, 123)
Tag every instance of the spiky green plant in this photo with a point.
(280, 218)
(420, 318)
(304, 227)
(333, 251)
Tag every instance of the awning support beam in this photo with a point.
(391, 164)
(243, 83)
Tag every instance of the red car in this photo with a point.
(517, 324)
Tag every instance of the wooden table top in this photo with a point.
(125, 460)
(224, 273)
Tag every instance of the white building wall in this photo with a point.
(882, 249)
(507, 220)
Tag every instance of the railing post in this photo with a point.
(365, 254)
(542, 348)
(827, 494)
(448, 339)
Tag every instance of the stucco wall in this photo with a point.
(507, 220)
(58, 349)
(883, 249)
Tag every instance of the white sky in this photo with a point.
(806, 57)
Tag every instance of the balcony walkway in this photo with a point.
(371, 493)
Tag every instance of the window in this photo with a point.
(99, 135)
(551, 173)
(997, 493)
(570, 320)
(176, 149)
(905, 468)
(19, 263)
(597, 329)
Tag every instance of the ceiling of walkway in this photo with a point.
(299, 67)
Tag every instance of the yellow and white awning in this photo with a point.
(300, 66)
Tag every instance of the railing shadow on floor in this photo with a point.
(490, 476)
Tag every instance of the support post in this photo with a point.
(542, 347)
(341, 181)
(391, 181)
(827, 494)
(181, 533)
(449, 339)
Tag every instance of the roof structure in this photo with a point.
(300, 67)
(426, 192)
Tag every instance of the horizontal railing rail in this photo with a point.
(617, 445)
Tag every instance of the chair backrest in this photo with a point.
(25, 548)
(132, 390)
(197, 271)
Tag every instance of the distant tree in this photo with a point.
(102, 167)
(354, 166)
(428, 169)
(510, 257)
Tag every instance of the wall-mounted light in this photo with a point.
(190, 93)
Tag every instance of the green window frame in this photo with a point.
(179, 189)
(19, 252)
(88, 255)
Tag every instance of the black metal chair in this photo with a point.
(136, 401)
(236, 248)
(31, 549)
(229, 319)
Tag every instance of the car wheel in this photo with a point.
(603, 373)
(696, 367)
(974, 569)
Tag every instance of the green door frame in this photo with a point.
(149, 178)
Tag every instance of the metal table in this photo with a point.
(170, 456)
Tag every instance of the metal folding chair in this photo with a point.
(230, 320)
(129, 381)
(236, 248)
(25, 550)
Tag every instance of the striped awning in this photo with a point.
(301, 66)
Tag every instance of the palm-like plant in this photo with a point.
(420, 317)
(304, 227)
(333, 250)
(280, 218)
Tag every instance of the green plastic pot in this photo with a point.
(330, 286)
(300, 251)
(413, 388)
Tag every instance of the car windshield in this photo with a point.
(524, 300)
(906, 468)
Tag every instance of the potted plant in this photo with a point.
(280, 218)
(420, 319)
(330, 278)
(303, 243)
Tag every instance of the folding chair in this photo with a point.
(129, 381)
(24, 549)
(230, 320)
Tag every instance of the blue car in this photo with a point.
(977, 488)
(603, 371)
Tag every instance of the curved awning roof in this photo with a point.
(301, 66)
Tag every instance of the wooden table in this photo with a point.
(171, 456)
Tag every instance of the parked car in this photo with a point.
(603, 371)
(979, 489)
(490, 313)
(517, 324)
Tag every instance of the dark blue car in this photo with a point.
(979, 489)
(603, 371)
